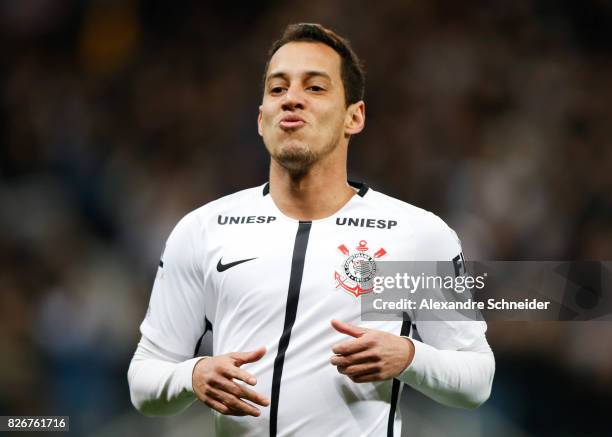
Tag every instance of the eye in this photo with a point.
(276, 90)
(316, 88)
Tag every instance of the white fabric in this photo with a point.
(454, 378)
(160, 381)
(246, 305)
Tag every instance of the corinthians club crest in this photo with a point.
(358, 270)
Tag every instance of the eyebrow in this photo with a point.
(308, 74)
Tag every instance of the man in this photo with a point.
(267, 270)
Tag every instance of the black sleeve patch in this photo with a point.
(459, 265)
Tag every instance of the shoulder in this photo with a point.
(419, 219)
(432, 237)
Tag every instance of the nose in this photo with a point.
(293, 99)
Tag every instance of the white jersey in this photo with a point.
(256, 277)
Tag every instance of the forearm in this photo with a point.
(454, 378)
(160, 383)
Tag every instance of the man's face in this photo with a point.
(303, 112)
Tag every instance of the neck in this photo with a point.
(320, 192)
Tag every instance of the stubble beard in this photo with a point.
(299, 159)
(296, 160)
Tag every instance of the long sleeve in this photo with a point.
(457, 378)
(160, 373)
(453, 363)
(160, 382)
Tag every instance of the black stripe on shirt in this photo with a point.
(396, 386)
(293, 296)
(207, 327)
(361, 187)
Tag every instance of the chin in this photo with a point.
(295, 157)
(294, 147)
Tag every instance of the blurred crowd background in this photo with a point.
(118, 117)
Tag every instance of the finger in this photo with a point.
(233, 403)
(217, 406)
(348, 329)
(369, 377)
(254, 397)
(240, 391)
(356, 358)
(350, 347)
(360, 370)
(223, 409)
(239, 374)
(248, 357)
(214, 397)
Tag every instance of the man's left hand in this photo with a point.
(370, 355)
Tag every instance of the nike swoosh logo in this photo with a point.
(223, 267)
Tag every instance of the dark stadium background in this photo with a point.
(118, 117)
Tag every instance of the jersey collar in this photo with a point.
(360, 186)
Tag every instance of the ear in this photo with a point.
(355, 118)
(259, 122)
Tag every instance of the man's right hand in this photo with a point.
(213, 383)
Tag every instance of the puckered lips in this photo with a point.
(291, 122)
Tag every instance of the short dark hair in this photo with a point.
(351, 69)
